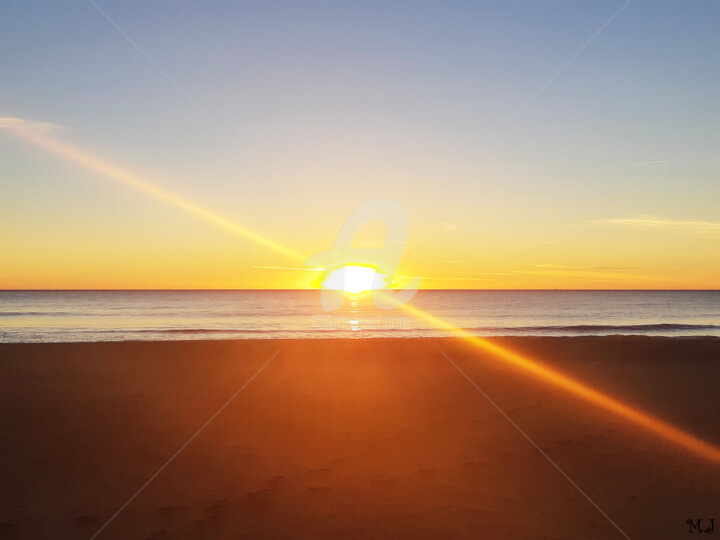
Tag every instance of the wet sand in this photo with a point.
(335, 439)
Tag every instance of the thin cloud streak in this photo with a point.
(447, 227)
(11, 123)
(272, 267)
(690, 227)
(581, 268)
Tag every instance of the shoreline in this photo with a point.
(367, 338)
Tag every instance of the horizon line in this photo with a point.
(319, 289)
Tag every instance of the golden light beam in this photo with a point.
(81, 157)
(560, 380)
(655, 425)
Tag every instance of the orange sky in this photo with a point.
(157, 239)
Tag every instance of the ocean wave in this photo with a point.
(598, 328)
(196, 331)
(497, 330)
(303, 331)
(34, 313)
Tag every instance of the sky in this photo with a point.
(532, 145)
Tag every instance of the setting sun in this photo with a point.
(354, 279)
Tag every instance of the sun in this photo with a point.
(354, 279)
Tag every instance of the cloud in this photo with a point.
(691, 227)
(378, 243)
(581, 268)
(270, 267)
(446, 227)
(600, 274)
(7, 122)
(583, 273)
(453, 278)
(487, 273)
(656, 162)
(612, 268)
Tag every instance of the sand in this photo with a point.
(352, 439)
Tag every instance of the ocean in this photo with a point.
(73, 316)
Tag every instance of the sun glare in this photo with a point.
(354, 279)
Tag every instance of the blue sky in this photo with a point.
(285, 116)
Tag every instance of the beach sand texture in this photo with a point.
(367, 438)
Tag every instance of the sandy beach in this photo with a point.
(374, 438)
